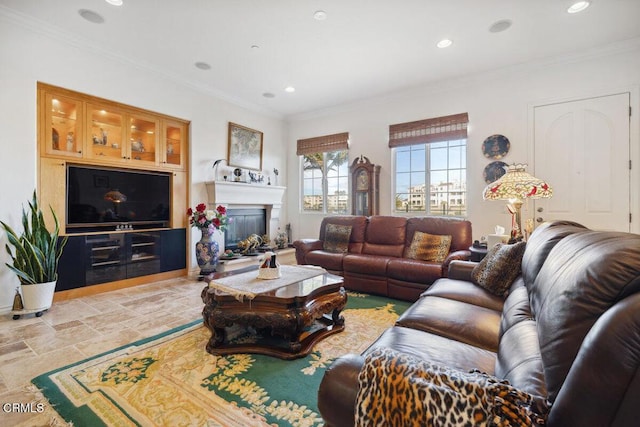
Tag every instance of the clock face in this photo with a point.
(237, 172)
(362, 183)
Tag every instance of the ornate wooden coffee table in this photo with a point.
(297, 316)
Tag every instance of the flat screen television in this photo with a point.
(108, 199)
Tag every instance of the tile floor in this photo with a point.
(79, 328)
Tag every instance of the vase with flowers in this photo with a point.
(208, 221)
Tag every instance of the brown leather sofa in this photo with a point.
(568, 330)
(375, 261)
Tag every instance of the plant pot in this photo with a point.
(38, 296)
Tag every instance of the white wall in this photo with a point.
(498, 103)
(28, 56)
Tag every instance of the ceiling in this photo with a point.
(363, 49)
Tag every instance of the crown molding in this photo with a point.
(67, 38)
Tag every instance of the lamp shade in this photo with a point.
(517, 184)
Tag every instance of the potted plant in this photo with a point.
(35, 254)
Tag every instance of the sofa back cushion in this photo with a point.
(385, 236)
(584, 275)
(357, 223)
(459, 229)
(540, 243)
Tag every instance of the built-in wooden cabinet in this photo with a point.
(81, 127)
(63, 118)
(174, 133)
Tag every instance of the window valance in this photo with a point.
(437, 129)
(322, 144)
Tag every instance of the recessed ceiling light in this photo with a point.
(255, 46)
(202, 65)
(290, 89)
(578, 6)
(115, 2)
(320, 15)
(500, 26)
(268, 95)
(91, 16)
(444, 43)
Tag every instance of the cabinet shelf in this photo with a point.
(99, 264)
(137, 245)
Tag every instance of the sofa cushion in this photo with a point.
(336, 238)
(436, 349)
(459, 229)
(358, 225)
(584, 275)
(499, 268)
(428, 247)
(467, 323)
(411, 270)
(545, 237)
(328, 260)
(464, 291)
(366, 264)
(385, 236)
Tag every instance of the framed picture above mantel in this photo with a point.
(245, 147)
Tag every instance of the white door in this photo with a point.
(581, 148)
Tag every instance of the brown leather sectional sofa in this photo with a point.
(375, 262)
(568, 330)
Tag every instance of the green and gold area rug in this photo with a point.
(170, 379)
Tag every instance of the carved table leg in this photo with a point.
(336, 317)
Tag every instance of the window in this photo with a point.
(325, 174)
(430, 165)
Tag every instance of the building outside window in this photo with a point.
(430, 166)
(325, 174)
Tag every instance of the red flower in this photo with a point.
(189, 211)
(201, 207)
(221, 209)
(216, 222)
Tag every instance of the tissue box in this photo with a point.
(494, 239)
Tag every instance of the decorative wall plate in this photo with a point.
(493, 171)
(495, 146)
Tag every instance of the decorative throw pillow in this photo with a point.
(429, 247)
(336, 238)
(499, 268)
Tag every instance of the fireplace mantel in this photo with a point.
(241, 194)
(235, 195)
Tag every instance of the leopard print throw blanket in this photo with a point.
(397, 389)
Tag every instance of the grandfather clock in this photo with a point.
(365, 183)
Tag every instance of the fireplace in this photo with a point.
(244, 222)
(243, 197)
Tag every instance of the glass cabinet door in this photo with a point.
(105, 133)
(143, 138)
(174, 135)
(63, 126)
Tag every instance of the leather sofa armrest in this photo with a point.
(304, 246)
(463, 255)
(338, 390)
(461, 270)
